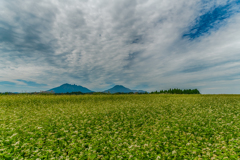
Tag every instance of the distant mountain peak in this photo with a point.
(64, 88)
(121, 89)
(65, 84)
(119, 86)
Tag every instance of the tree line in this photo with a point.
(177, 91)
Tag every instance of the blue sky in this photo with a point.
(141, 44)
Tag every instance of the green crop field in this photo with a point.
(120, 127)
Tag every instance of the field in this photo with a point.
(120, 127)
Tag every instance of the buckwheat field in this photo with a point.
(120, 127)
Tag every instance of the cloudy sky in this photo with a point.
(141, 44)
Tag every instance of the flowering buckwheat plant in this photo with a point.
(120, 127)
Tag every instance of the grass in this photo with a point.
(120, 127)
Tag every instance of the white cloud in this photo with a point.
(98, 43)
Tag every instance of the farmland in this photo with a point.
(120, 126)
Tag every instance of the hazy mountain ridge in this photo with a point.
(70, 88)
(122, 89)
(75, 88)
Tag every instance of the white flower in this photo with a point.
(174, 152)
(13, 135)
(16, 143)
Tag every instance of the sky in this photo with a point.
(140, 44)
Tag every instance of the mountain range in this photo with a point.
(122, 89)
(70, 88)
(76, 88)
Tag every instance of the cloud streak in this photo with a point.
(213, 19)
(140, 44)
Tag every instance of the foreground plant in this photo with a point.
(119, 127)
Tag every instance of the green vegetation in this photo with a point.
(120, 126)
(177, 91)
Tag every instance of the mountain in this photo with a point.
(70, 88)
(122, 89)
